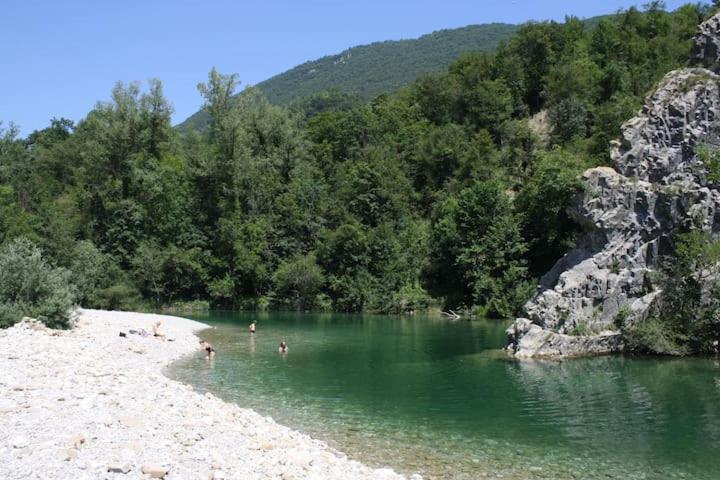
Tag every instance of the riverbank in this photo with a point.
(87, 403)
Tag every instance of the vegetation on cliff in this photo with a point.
(685, 318)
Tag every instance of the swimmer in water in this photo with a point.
(208, 348)
(283, 348)
(251, 327)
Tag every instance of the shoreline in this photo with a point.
(86, 403)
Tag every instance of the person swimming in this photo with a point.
(208, 348)
(251, 327)
(283, 348)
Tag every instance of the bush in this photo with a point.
(410, 298)
(710, 157)
(298, 281)
(655, 336)
(685, 317)
(30, 286)
(9, 315)
(120, 296)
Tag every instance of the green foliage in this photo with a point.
(554, 182)
(476, 237)
(710, 157)
(621, 317)
(369, 70)
(453, 189)
(685, 318)
(30, 286)
(298, 281)
(95, 274)
(411, 298)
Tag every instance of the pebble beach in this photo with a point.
(87, 403)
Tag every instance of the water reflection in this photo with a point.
(428, 395)
(652, 411)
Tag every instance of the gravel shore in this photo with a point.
(88, 404)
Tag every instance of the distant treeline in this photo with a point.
(452, 191)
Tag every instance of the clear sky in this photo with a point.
(60, 57)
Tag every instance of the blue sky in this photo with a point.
(60, 58)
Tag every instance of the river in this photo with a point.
(440, 398)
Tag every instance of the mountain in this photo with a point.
(369, 70)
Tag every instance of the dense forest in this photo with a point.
(369, 70)
(451, 192)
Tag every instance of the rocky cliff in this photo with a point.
(657, 185)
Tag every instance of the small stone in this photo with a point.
(219, 475)
(132, 422)
(7, 406)
(327, 457)
(19, 441)
(187, 441)
(119, 468)
(77, 440)
(67, 454)
(384, 473)
(155, 471)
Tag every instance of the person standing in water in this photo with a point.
(251, 327)
(208, 348)
(283, 348)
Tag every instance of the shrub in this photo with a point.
(621, 317)
(410, 298)
(656, 336)
(121, 296)
(30, 286)
(298, 281)
(710, 157)
(685, 317)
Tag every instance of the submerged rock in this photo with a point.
(657, 186)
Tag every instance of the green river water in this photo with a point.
(439, 398)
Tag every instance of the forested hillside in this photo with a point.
(452, 190)
(382, 67)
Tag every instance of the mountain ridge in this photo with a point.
(379, 67)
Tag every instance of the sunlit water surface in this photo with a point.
(439, 398)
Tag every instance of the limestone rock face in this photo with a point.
(657, 185)
(707, 44)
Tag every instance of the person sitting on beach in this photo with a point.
(283, 348)
(208, 348)
(156, 331)
(251, 327)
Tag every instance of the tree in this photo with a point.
(476, 251)
(30, 286)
